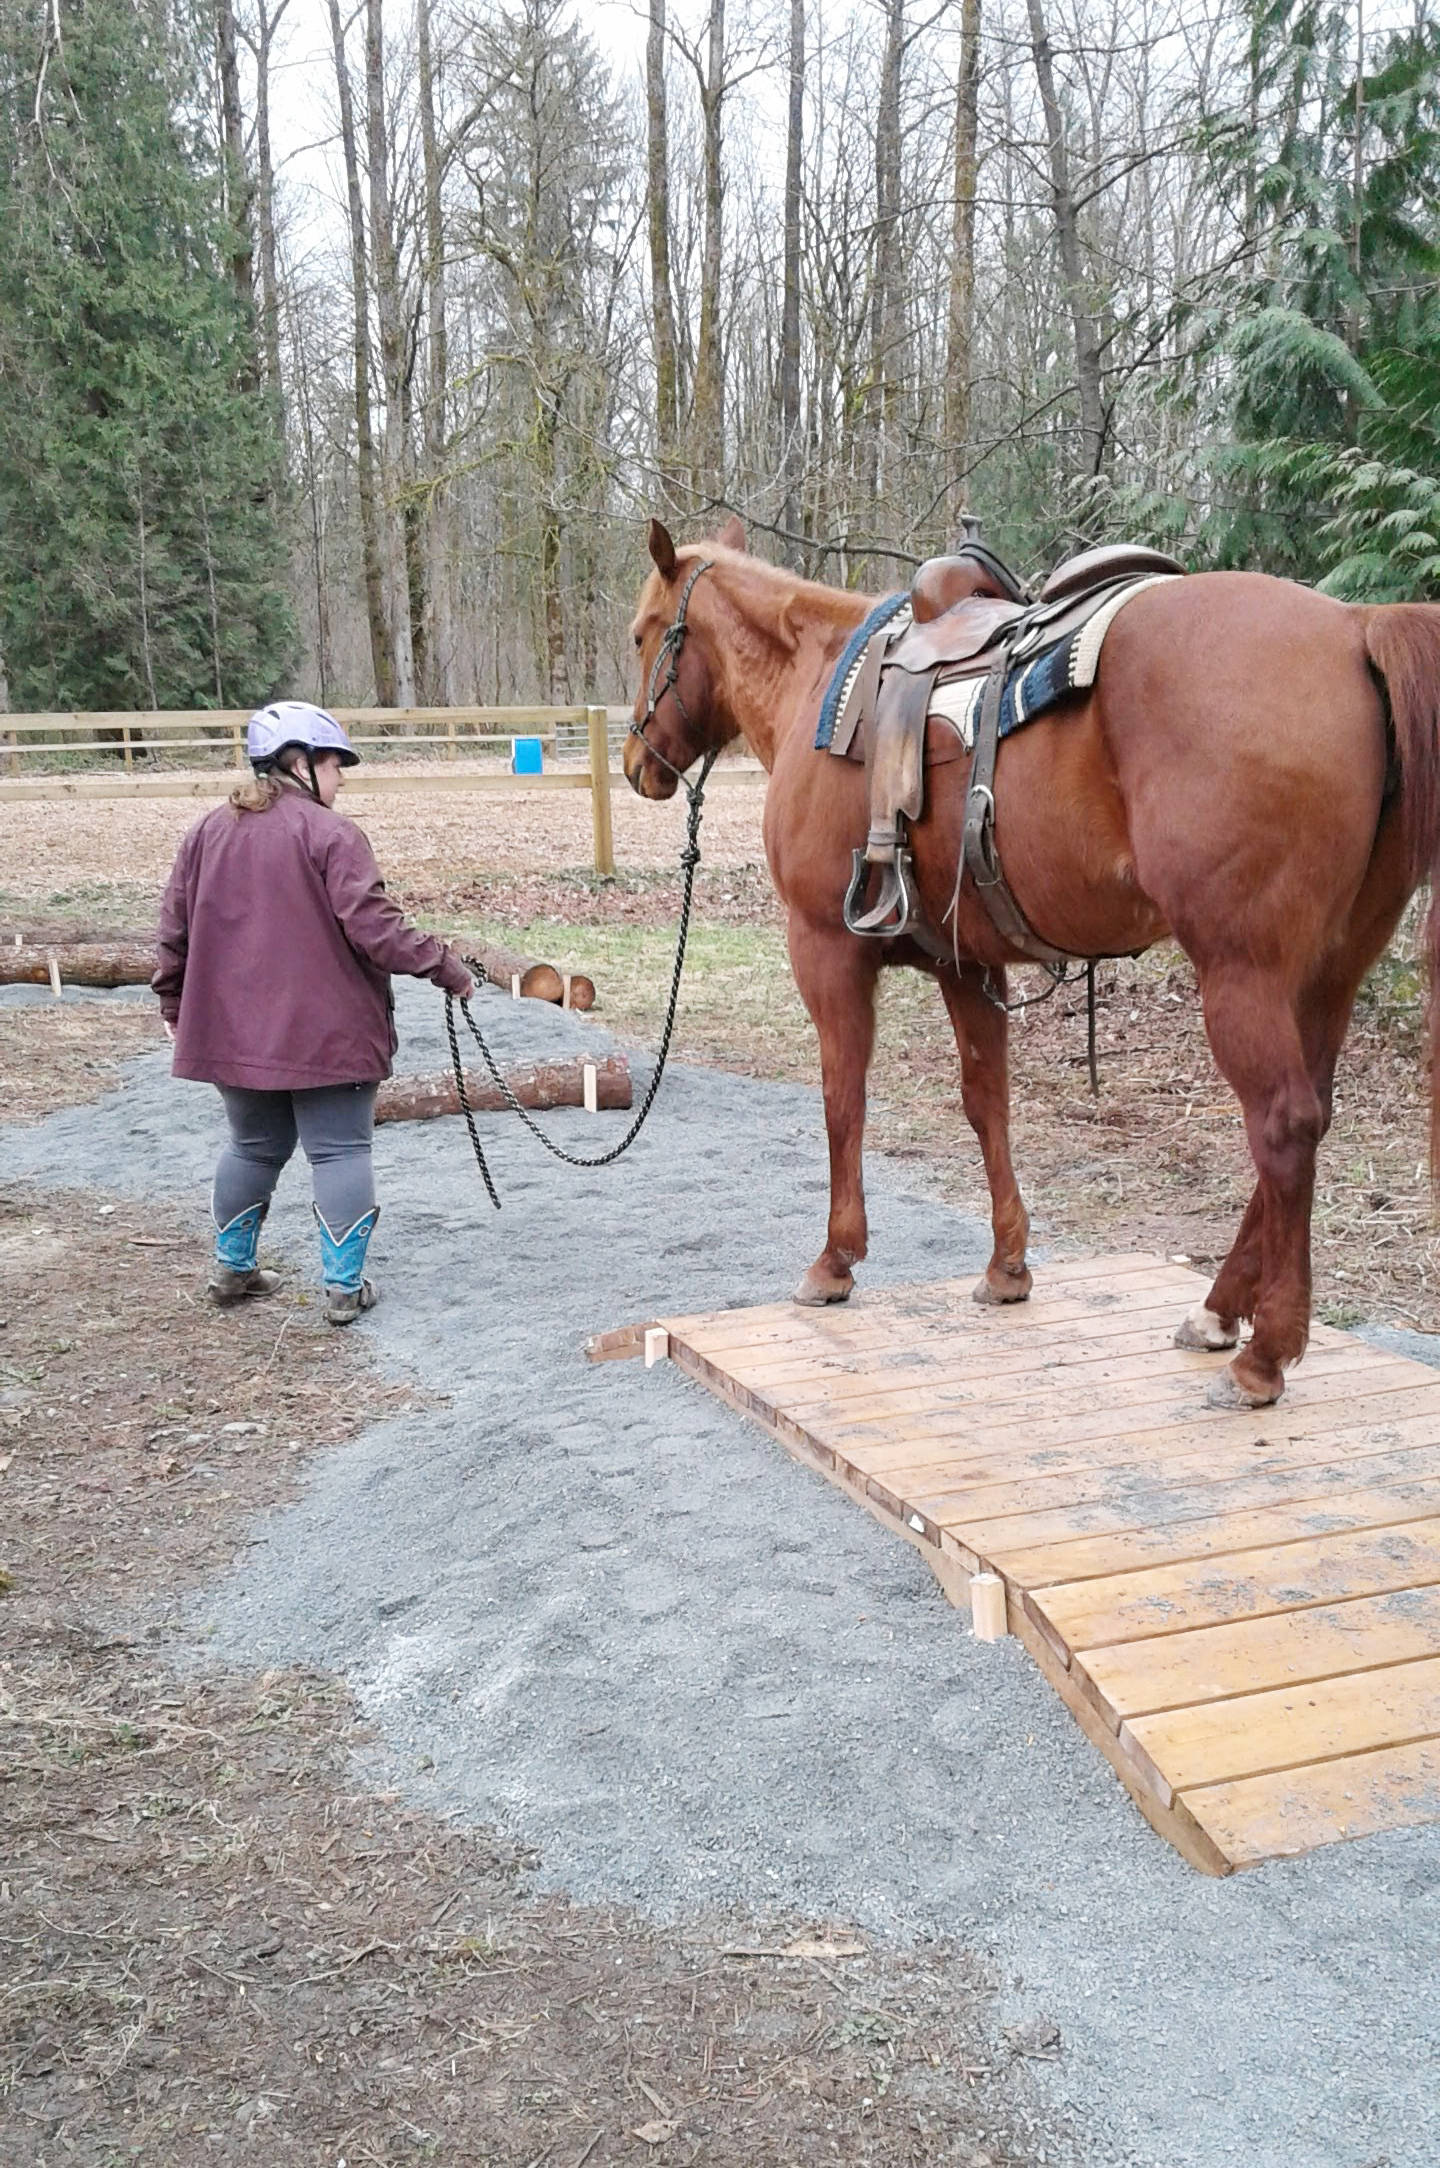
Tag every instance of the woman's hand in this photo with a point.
(169, 1029)
(468, 991)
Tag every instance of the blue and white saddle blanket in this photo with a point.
(1039, 678)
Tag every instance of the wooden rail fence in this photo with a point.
(136, 734)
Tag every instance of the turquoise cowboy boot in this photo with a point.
(236, 1271)
(342, 1260)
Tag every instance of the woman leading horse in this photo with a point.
(1255, 773)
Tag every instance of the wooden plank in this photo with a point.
(1219, 1663)
(1179, 1412)
(968, 1327)
(1241, 1584)
(1291, 1726)
(946, 1356)
(873, 1315)
(1105, 1470)
(1300, 1518)
(1098, 1386)
(1169, 1817)
(218, 786)
(1291, 1811)
(1119, 1499)
(1275, 1570)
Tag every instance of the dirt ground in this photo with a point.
(214, 1941)
(1157, 1161)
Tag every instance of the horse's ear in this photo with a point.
(662, 549)
(732, 534)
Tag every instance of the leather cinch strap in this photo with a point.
(982, 861)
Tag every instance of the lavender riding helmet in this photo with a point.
(284, 723)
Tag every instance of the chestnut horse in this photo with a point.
(1255, 774)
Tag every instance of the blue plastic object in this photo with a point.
(527, 756)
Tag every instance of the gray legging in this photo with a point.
(334, 1125)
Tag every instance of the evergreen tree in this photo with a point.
(1333, 473)
(142, 549)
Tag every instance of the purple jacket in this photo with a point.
(275, 948)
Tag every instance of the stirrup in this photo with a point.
(891, 913)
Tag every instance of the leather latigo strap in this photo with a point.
(863, 693)
(981, 859)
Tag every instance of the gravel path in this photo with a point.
(595, 1608)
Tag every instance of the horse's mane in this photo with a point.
(775, 592)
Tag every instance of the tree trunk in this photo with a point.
(395, 461)
(1067, 234)
(791, 448)
(382, 653)
(238, 190)
(959, 365)
(708, 449)
(318, 567)
(662, 304)
(885, 286)
(439, 638)
(265, 205)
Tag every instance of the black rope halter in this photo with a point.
(672, 641)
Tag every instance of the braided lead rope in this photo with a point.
(689, 860)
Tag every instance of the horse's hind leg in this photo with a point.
(1324, 1017)
(1256, 1037)
(836, 976)
(1215, 1322)
(982, 1031)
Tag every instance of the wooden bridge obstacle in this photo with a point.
(1241, 1610)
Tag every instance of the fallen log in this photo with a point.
(56, 934)
(536, 1084)
(538, 981)
(94, 964)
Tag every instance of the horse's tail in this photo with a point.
(1403, 642)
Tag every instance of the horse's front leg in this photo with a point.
(836, 976)
(982, 1034)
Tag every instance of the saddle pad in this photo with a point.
(1039, 683)
(844, 673)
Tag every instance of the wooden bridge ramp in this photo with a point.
(1241, 1610)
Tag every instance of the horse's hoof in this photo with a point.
(818, 1288)
(1204, 1331)
(1230, 1390)
(999, 1286)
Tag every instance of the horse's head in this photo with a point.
(679, 712)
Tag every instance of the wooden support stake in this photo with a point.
(515, 986)
(987, 1607)
(657, 1346)
(597, 725)
(591, 1101)
(54, 974)
(566, 981)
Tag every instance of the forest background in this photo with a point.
(345, 350)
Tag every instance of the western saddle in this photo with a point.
(969, 624)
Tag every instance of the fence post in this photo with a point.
(239, 744)
(600, 792)
(125, 741)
